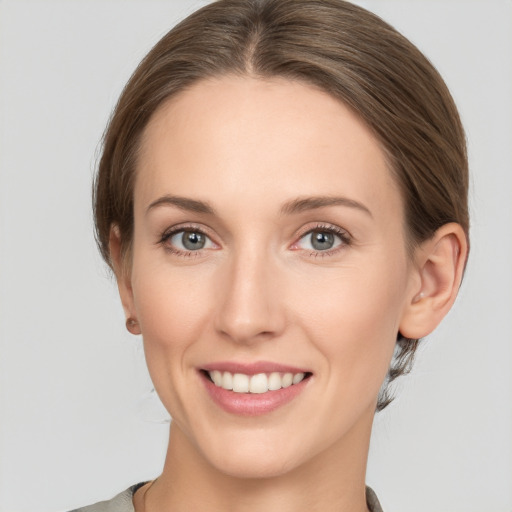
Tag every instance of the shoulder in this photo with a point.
(122, 502)
(372, 501)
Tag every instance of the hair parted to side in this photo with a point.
(341, 48)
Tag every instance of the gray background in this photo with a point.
(78, 421)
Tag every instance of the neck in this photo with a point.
(333, 480)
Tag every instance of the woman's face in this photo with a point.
(269, 240)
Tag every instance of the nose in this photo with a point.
(250, 306)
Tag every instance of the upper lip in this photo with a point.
(252, 368)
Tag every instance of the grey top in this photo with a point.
(123, 502)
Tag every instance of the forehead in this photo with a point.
(233, 137)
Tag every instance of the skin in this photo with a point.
(258, 290)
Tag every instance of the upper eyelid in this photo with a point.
(165, 238)
(341, 233)
(186, 227)
(326, 226)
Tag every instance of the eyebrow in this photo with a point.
(312, 203)
(289, 208)
(183, 203)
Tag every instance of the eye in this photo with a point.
(187, 240)
(322, 239)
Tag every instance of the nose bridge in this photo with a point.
(249, 305)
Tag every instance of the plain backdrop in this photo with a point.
(78, 419)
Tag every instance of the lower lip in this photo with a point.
(252, 404)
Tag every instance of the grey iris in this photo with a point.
(321, 240)
(192, 240)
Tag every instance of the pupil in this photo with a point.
(322, 240)
(193, 240)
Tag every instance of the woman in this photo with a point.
(282, 196)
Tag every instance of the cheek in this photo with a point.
(173, 310)
(172, 307)
(352, 316)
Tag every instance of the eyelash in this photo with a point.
(343, 235)
(167, 235)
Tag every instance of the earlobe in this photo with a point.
(123, 277)
(440, 263)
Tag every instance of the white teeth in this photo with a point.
(297, 378)
(287, 380)
(274, 381)
(216, 377)
(259, 383)
(227, 381)
(240, 383)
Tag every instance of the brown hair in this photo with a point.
(339, 47)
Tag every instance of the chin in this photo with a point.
(253, 464)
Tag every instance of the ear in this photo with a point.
(123, 277)
(439, 264)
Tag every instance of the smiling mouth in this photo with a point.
(258, 383)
